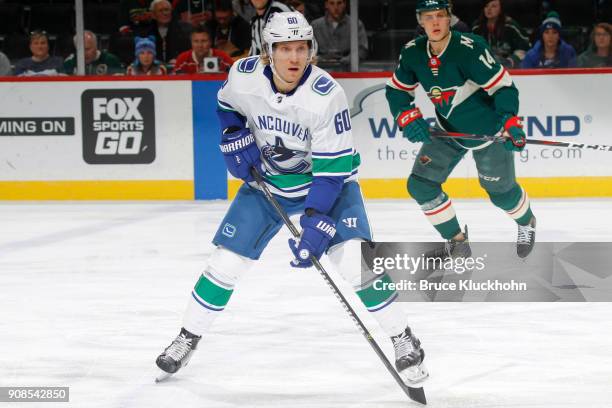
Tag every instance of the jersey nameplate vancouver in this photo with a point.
(118, 126)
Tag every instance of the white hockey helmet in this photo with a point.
(288, 26)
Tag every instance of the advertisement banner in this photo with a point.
(554, 107)
(130, 139)
(73, 139)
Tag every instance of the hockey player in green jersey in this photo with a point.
(472, 93)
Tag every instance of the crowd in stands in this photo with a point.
(161, 37)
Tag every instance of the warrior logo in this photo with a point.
(350, 222)
(283, 159)
(441, 97)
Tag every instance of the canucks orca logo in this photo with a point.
(283, 159)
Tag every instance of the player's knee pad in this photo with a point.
(507, 199)
(226, 266)
(346, 258)
(423, 190)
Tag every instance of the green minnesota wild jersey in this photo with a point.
(470, 90)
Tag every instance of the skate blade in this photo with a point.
(415, 376)
(162, 375)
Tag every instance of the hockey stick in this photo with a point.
(441, 133)
(415, 394)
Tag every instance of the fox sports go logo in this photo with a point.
(118, 126)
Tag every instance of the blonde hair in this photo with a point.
(264, 58)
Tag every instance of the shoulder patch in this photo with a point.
(410, 44)
(467, 41)
(248, 65)
(323, 85)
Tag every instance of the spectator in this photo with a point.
(263, 9)
(194, 12)
(133, 15)
(298, 5)
(599, 53)
(456, 24)
(244, 9)
(332, 32)
(96, 62)
(506, 37)
(230, 33)
(193, 60)
(145, 62)
(550, 51)
(40, 63)
(5, 65)
(315, 9)
(170, 38)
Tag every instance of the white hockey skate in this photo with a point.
(409, 358)
(177, 354)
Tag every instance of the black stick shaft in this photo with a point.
(345, 304)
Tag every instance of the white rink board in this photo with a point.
(48, 158)
(567, 98)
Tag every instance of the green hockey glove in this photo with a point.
(415, 128)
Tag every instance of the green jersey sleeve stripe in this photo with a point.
(342, 164)
(224, 106)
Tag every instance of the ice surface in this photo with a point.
(90, 294)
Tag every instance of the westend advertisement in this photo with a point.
(548, 108)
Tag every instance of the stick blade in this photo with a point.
(417, 394)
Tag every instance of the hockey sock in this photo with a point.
(211, 292)
(371, 288)
(515, 203)
(435, 204)
(213, 289)
(441, 214)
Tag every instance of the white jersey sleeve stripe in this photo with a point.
(396, 83)
(500, 80)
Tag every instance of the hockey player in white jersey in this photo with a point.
(289, 120)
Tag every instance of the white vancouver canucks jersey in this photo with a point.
(302, 134)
